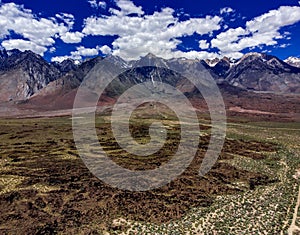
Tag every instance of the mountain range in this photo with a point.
(29, 81)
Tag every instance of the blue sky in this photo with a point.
(200, 29)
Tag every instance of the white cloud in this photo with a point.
(80, 52)
(233, 55)
(196, 55)
(102, 4)
(52, 49)
(274, 19)
(95, 4)
(203, 44)
(105, 50)
(138, 35)
(226, 39)
(127, 7)
(23, 45)
(262, 30)
(77, 58)
(72, 37)
(59, 59)
(23, 22)
(38, 33)
(226, 10)
(285, 45)
(66, 18)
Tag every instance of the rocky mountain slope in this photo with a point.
(260, 72)
(66, 65)
(60, 93)
(27, 77)
(22, 74)
(254, 71)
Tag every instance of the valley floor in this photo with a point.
(46, 189)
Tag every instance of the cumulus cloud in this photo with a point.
(22, 21)
(81, 52)
(66, 18)
(105, 50)
(52, 49)
(234, 55)
(102, 4)
(225, 40)
(72, 37)
(60, 59)
(127, 7)
(285, 45)
(226, 10)
(138, 35)
(262, 30)
(95, 4)
(203, 44)
(23, 45)
(196, 55)
(274, 19)
(38, 33)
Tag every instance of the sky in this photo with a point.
(79, 29)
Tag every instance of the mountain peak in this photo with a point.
(150, 56)
(66, 65)
(118, 60)
(251, 55)
(150, 60)
(212, 62)
(293, 61)
(255, 56)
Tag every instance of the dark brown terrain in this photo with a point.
(51, 191)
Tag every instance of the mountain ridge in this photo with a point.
(27, 75)
(22, 74)
(242, 92)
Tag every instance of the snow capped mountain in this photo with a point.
(294, 61)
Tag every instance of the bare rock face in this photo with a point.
(260, 72)
(212, 62)
(23, 74)
(3, 55)
(66, 65)
(222, 68)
